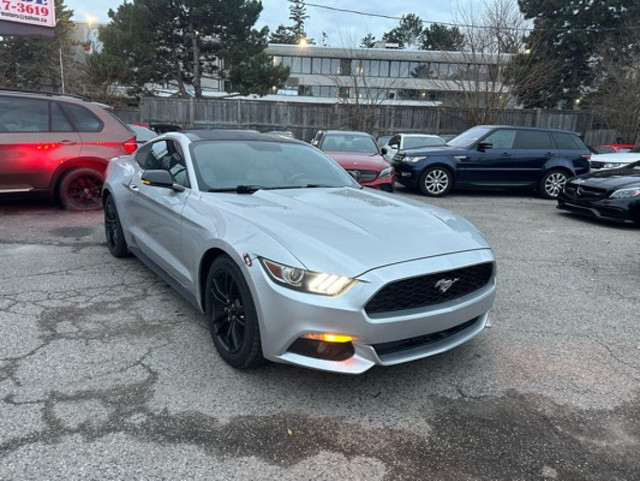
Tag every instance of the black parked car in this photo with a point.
(496, 157)
(605, 194)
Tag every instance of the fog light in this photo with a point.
(316, 346)
(329, 337)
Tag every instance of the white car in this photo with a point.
(613, 161)
(409, 141)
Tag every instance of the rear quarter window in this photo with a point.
(83, 119)
(568, 141)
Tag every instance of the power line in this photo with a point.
(463, 25)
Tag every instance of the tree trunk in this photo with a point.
(197, 75)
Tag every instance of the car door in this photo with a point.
(35, 138)
(534, 148)
(491, 166)
(156, 212)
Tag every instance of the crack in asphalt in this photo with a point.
(483, 438)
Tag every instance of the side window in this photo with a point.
(534, 139)
(23, 115)
(59, 121)
(566, 141)
(82, 118)
(502, 138)
(166, 155)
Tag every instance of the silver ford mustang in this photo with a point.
(290, 259)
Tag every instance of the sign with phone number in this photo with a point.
(32, 12)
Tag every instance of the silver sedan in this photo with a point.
(290, 259)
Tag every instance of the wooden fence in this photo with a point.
(304, 119)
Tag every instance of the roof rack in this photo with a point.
(40, 92)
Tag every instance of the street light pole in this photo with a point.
(61, 71)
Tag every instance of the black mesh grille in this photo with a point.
(429, 290)
(581, 192)
(367, 175)
(421, 341)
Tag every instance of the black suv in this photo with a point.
(496, 157)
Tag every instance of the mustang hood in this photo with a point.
(349, 231)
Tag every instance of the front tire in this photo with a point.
(232, 316)
(552, 184)
(435, 181)
(81, 189)
(113, 230)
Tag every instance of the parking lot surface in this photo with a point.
(107, 373)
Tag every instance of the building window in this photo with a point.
(295, 64)
(394, 69)
(305, 65)
(345, 66)
(343, 93)
(316, 65)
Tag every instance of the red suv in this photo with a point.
(58, 146)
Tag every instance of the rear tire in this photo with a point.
(232, 316)
(81, 189)
(552, 183)
(435, 181)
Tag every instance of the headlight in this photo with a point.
(414, 158)
(386, 172)
(613, 165)
(306, 281)
(625, 193)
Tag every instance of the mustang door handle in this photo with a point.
(506, 154)
(549, 154)
(67, 142)
(133, 187)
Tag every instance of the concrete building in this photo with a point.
(389, 74)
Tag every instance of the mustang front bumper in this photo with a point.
(285, 316)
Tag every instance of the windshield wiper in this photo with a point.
(240, 189)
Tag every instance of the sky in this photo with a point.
(343, 29)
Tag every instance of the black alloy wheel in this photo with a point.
(231, 314)
(81, 189)
(113, 230)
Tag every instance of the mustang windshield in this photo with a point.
(230, 164)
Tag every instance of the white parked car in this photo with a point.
(409, 141)
(614, 161)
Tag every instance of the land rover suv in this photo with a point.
(496, 157)
(58, 146)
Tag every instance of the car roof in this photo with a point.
(36, 94)
(520, 127)
(232, 134)
(421, 135)
(348, 132)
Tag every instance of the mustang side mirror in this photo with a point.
(384, 150)
(482, 146)
(160, 178)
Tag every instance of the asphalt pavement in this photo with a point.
(107, 373)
